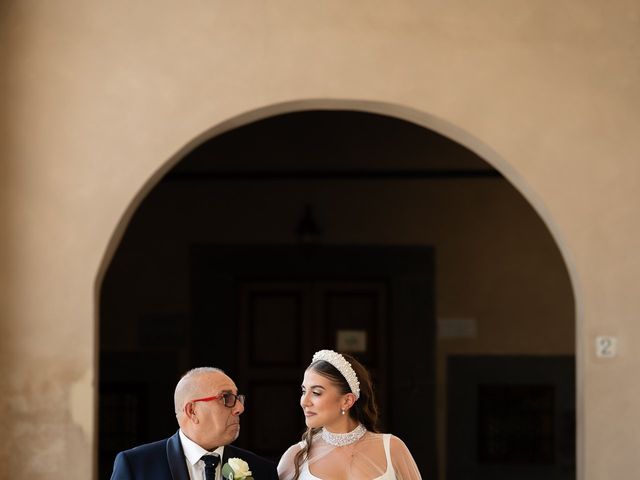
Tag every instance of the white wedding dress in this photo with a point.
(374, 457)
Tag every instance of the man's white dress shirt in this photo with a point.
(193, 452)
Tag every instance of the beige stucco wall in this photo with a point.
(97, 96)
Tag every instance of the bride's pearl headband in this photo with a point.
(344, 367)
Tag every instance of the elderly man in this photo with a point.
(208, 410)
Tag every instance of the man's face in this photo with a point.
(215, 425)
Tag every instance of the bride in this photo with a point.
(341, 441)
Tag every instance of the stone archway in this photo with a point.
(399, 112)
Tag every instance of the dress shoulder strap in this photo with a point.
(386, 438)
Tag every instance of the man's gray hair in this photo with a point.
(199, 370)
(186, 387)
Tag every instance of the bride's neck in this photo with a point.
(342, 425)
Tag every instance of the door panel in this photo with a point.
(272, 319)
(274, 420)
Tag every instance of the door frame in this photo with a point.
(410, 274)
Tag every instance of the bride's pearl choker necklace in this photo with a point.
(342, 439)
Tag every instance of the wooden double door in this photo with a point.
(281, 325)
(261, 312)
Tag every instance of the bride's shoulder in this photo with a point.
(397, 445)
(293, 449)
(286, 465)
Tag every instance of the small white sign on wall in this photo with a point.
(606, 346)
(449, 328)
(351, 341)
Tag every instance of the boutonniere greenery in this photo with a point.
(236, 469)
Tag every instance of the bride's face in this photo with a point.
(321, 400)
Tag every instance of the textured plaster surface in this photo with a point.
(98, 96)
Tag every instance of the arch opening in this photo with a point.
(490, 227)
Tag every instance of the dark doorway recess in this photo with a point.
(260, 313)
(192, 282)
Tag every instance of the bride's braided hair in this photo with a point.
(364, 410)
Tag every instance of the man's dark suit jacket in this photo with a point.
(165, 460)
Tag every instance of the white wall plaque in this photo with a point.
(606, 346)
(351, 341)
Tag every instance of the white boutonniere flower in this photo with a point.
(236, 469)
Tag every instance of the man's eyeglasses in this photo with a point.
(229, 399)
